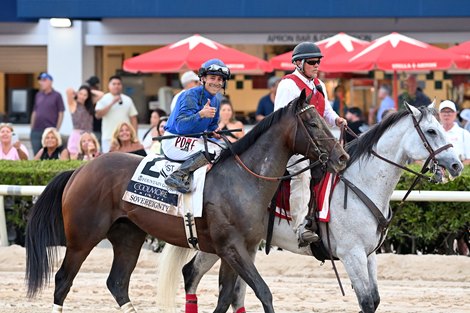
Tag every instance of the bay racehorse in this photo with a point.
(82, 207)
(355, 232)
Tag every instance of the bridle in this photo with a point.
(430, 164)
(323, 157)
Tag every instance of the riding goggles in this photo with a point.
(214, 69)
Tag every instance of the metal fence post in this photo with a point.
(3, 224)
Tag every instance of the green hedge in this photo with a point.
(26, 173)
(429, 227)
(30, 173)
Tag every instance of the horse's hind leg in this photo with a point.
(240, 260)
(127, 240)
(193, 272)
(374, 288)
(227, 280)
(64, 277)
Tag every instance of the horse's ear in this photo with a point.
(412, 109)
(301, 100)
(309, 98)
(433, 104)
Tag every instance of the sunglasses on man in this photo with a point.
(312, 62)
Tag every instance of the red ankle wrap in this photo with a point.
(191, 303)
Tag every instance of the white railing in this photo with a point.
(12, 190)
(432, 196)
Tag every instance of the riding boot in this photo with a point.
(181, 178)
(306, 235)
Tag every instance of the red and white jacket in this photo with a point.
(289, 88)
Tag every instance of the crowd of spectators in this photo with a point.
(107, 122)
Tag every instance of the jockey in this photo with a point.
(306, 58)
(197, 110)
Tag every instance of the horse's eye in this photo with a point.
(312, 124)
(432, 132)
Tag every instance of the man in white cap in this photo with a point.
(457, 136)
(188, 80)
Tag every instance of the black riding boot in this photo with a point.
(181, 178)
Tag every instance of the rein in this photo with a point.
(384, 223)
(322, 156)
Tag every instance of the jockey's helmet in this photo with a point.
(306, 50)
(215, 67)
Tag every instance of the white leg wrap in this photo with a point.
(56, 308)
(128, 308)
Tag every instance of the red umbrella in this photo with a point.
(463, 52)
(338, 44)
(190, 53)
(396, 52)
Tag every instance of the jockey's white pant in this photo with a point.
(299, 190)
(181, 148)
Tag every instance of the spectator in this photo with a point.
(355, 122)
(81, 107)
(266, 103)
(153, 130)
(338, 99)
(114, 108)
(52, 146)
(413, 94)
(227, 121)
(89, 147)
(48, 110)
(465, 116)
(154, 146)
(188, 80)
(12, 148)
(125, 139)
(386, 102)
(94, 84)
(457, 136)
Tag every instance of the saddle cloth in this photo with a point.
(320, 191)
(147, 188)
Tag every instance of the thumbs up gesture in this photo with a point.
(207, 111)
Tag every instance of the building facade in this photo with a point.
(104, 33)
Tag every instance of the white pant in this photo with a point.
(105, 145)
(181, 148)
(299, 190)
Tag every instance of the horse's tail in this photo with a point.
(44, 232)
(172, 260)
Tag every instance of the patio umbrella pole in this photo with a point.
(395, 89)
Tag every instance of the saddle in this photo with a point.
(280, 208)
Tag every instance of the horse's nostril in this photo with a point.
(344, 158)
(456, 167)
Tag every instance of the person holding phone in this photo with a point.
(114, 108)
(12, 148)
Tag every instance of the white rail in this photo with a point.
(431, 196)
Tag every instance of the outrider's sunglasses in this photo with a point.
(312, 62)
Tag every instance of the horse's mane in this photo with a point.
(247, 141)
(363, 145)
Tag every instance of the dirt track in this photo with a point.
(439, 284)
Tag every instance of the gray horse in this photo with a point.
(353, 231)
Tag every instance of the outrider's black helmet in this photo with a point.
(306, 50)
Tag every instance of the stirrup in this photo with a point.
(306, 237)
